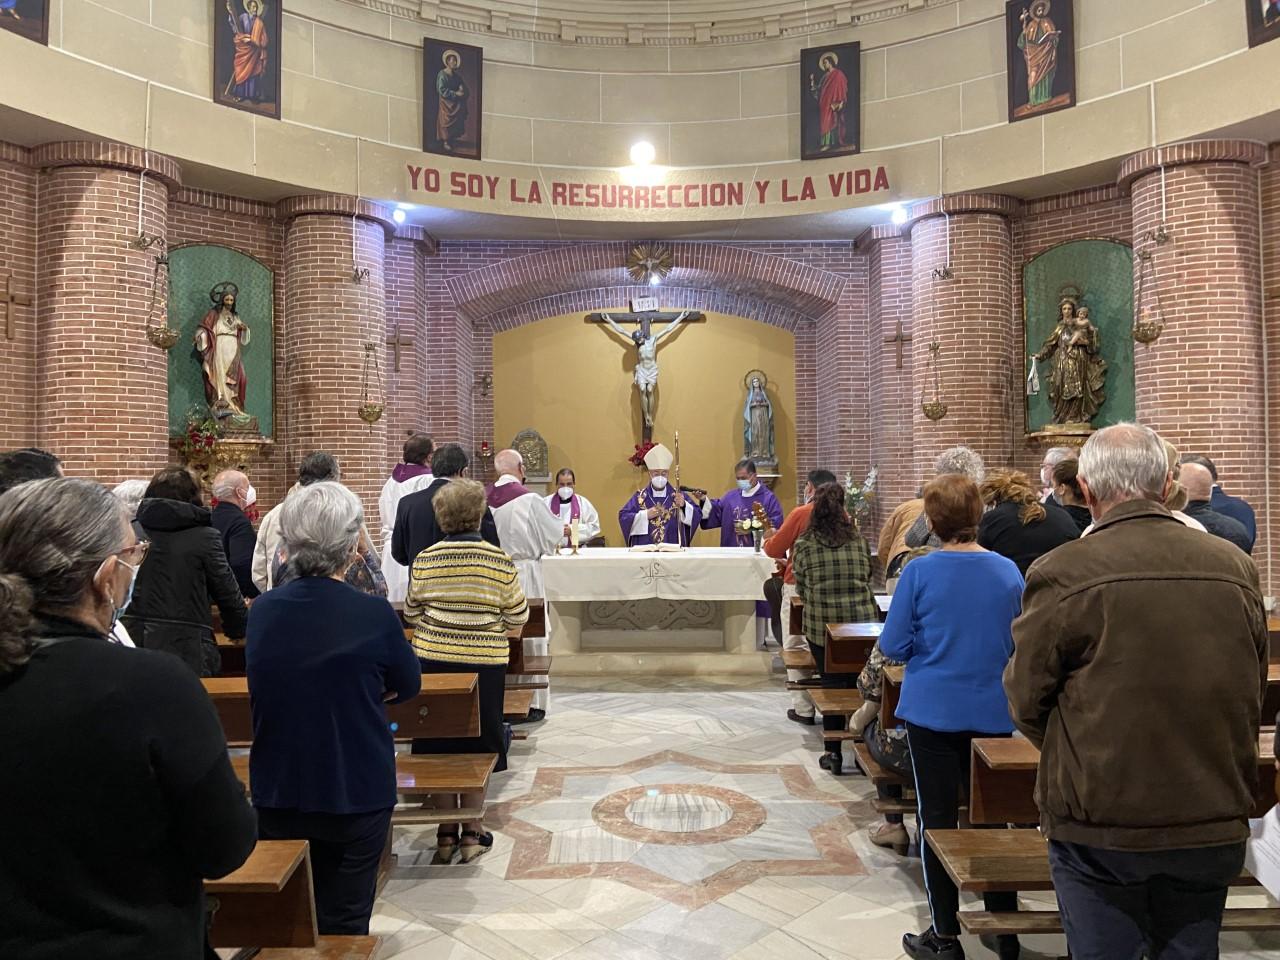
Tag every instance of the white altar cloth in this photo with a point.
(687, 613)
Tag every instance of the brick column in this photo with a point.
(101, 388)
(330, 318)
(1202, 383)
(969, 315)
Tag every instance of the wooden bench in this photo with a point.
(231, 655)
(849, 645)
(795, 617)
(1271, 702)
(516, 704)
(835, 703)
(1002, 780)
(799, 660)
(423, 777)
(447, 706)
(328, 948)
(267, 902)
(985, 861)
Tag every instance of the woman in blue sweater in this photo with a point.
(950, 622)
(321, 659)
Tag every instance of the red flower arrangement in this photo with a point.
(637, 458)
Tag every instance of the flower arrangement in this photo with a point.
(637, 458)
(195, 443)
(857, 498)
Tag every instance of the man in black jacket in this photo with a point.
(235, 494)
(416, 528)
(1198, 483)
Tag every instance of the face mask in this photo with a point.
(565, 492)
(116, 612)
(251, 497)
(744, 484)
(659, 483)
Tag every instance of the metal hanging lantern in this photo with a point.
(1148, 317)
(371, 409)
(934, 409)
(160, 334)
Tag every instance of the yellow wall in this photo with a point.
(571, 382)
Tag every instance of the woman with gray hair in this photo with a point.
(130, 493)
(166, 808)
(322, 658)
(954, 461)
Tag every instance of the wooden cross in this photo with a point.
(647, 318)
(899, 338)
(395, 343)
(12, 299)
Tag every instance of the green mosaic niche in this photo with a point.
(194, 271)
(1102, 270)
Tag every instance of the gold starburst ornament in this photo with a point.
(648, 260)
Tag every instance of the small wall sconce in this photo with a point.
(484, 384)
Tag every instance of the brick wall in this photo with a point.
(891, 394)
(969, 316)
(102, 388)
(1201, 384)
(18, 262)
(331, 318)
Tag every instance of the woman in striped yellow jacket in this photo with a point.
(464, 595)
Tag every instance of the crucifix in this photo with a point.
(646, 342)
(12, 299)
(899, 338)
(395, 343)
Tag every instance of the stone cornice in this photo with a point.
(1189, 152)
(101, 153)
(685, 24)
(338, 205)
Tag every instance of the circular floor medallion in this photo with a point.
(678, 814)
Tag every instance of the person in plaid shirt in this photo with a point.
(832, 565)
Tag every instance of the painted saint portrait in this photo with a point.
(830, 101)
(1041, 57)
(246, 55)
(452, 85)
(28, 18)
(1264, 20)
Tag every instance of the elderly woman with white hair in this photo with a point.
(322, 658)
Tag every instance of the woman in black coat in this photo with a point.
(185, 569)
(1016, 525)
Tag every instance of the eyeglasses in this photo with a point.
(138, 550)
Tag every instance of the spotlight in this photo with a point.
(654, 279)
(642, 153)
(899, 215)
(397, 216)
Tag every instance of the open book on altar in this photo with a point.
(656, 548)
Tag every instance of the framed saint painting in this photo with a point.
(246, 55)
(28, 18)
(1264, 20)
(830, 101)
(452, 98)
(1040, 43)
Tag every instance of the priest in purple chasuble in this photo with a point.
(738, 504)
(658, 514)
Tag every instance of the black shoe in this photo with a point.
(930, 946)
(1005, 946)
(800, 717)
(534, 715)
(831, 761)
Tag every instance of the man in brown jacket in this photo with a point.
(1139, 667)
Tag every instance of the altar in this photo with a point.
(690, 613)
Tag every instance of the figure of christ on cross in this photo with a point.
(646, 342)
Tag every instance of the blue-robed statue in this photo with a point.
(757, 417)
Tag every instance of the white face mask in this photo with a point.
(565, 492)
(659, 483)
(251, 496)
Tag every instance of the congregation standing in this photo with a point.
(1016, 609)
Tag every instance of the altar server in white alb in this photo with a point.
(567, 504)
(659, 513)
(529, 532)
(409, 476)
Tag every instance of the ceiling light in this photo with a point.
(642, 153)
(654, 279)
(397, 215)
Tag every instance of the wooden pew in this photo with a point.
(1273, 632)
(849, 645)
(328, 948)
(516, 704)
(795, 619)
(1002, 780)
(268, 902)
(447, 706)
(231, 653)
(1271, 702)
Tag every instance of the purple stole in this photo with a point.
(575, 510)
(499, 496)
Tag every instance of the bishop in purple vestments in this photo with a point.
(658, 513)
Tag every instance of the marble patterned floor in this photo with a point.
(677, 819)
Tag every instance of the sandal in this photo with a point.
(447, 847)
(482, 845)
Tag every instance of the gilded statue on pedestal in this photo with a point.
(1077, 381)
